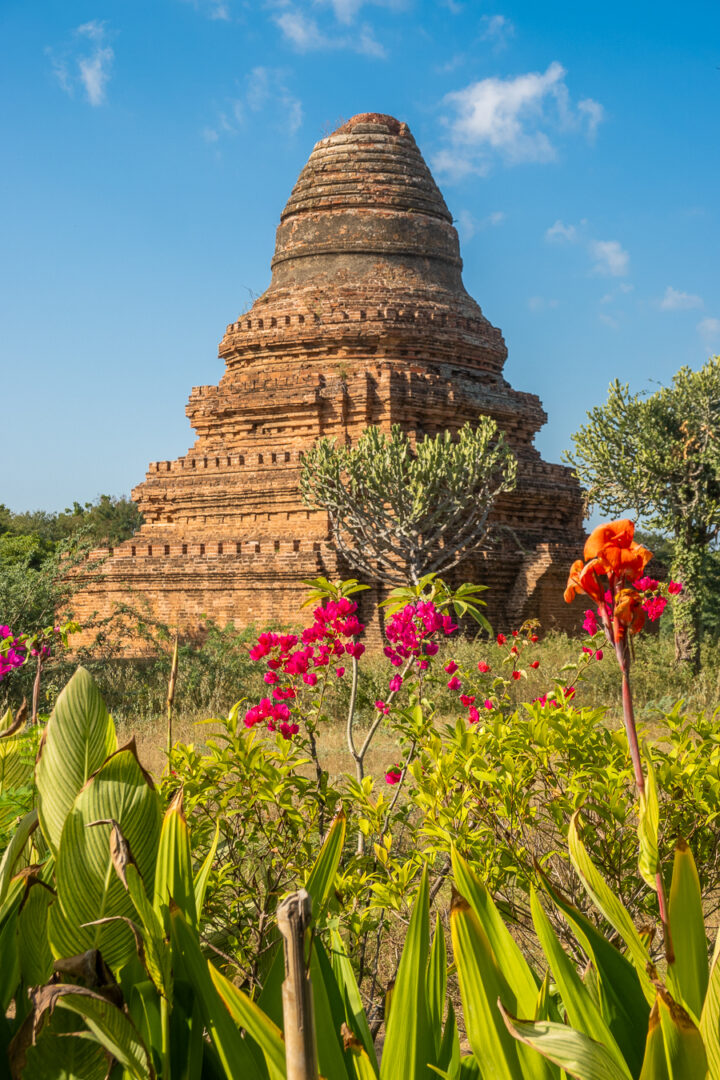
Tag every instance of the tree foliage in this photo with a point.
(399, 512)
(658, 455)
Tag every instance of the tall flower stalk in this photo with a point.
(612, 575)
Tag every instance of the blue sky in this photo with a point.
(148, 149)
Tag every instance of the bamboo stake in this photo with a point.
(293, 916)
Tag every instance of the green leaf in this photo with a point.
(234, 1053)
(247, 1014)
(622, 1001)
(654, 1066)
(110, 1026)
(437, 984)
(354, 1011)
(510, 959)
(87, 884)
(322, 876)
(684, 1050)
(33, 946)
(329, 1013)
(578, 1054)
(201, 878)
(9, 962)
(582, 1012)
(687, 929)
(78, 738)
(409, 1046)
(482, 984)
(610, 906)
(710, 1018)
(173, 871)
(26, 826)
(648, 818)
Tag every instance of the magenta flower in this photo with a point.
(454, 683)
(395, 683)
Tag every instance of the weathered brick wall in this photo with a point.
(366, 321)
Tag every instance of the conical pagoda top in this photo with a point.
(365, 194)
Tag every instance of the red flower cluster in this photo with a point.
(13, 652)
(412, 632)
(332, 634)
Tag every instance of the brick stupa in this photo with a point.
(366, 321)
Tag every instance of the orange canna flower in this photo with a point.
(614, 546)
(628, 612)
(583, 580)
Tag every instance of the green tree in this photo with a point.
(399, 512)
(658, 456)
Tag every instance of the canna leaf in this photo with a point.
(201, 878)
(648, 818)
(25, 828)
(710, 1018)
(610, 906)
(689, 972)
(110, 1026)
(576, 1053)
(78, 738)
(654, 1066)
(437, 984)
(354, 1011)
(246, 1014)
(173, 871)
(321, 877)
(409, 1048)
(583, 1015)
(684, 1050)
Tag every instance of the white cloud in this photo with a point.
(609, 258)
(609, 321)
(595, 114)
(74, 68)
(540, 303)
(709, 330)
(305, 35)
(559, 231)
(468, 225)
(513, 119)
(218, 10)
(674, 300)
(346, 10)
(497, 30)
(266, 91)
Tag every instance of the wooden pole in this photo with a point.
(293, 918)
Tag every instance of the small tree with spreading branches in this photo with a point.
(658, 455)
(399, 512)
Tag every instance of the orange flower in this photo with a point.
(583, 579)
(628, 612)
(615, 548)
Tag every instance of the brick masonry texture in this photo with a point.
(366, 321)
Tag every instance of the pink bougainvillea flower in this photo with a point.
(644, 584)
(454, 683)
(654, 607)
(423, 664)
(467, 699)
(382, 707)
(488, 704)
(599, 654)
(516, 675)
(501, 639)
(483, 667)
(535, 664)
(395, 683)
(393, 775)
(675, 588)
(534, 638)
(340, 671)
(473, 715)
(309, 678)
(451, 667)
(590, 623)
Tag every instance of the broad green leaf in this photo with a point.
(687, 929)
(16, 762)
(57, 1053)
(111, 1028)
(648, 818)
(33, 946)
(409, 1048)
(321, 877)
(622, 1001)
(482, 984)
(610, 906)
(156, 957)
(510, 959)
(26, 826)
(9, 962)
(246, 1014)
(201, 878)
(710, 1018)
(234, 1053)
(354, 1011)
(577, 1054)
(684, 1050)
(329, 1013)
(78, 738)
(582, 1012)
(88, 886)
(173, 871)
(654, 1066)
(437, 984)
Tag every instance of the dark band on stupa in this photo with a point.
(366, 321)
